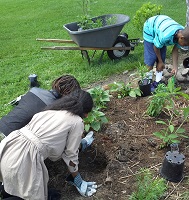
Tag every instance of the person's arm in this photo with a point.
(70, 156)
(175, 59)
(160, 64)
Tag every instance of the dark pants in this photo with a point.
(52, 194)
(7, 196)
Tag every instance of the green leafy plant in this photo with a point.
(171, 134)
(141, 73)
(96, 117)
(94, 120)
(86, 21)
(163, 96)
(148, 187)
(146, 11)
(142, 70)
(100, 96)
(185, 196)
(122, 89)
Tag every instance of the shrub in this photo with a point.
(146, 11)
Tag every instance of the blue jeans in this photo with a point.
(150, 57)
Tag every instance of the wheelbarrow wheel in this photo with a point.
(117, 54)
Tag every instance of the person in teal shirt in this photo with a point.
(159, 32)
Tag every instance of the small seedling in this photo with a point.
(148, 187)
(171, 134)
(124, 90)
(142, 75)
(163, 96)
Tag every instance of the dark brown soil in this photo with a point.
(123, 146)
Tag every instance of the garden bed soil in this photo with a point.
(123, 146)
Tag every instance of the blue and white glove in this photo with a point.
(87, 140)
(86, 189)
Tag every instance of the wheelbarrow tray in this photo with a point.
(103, 37)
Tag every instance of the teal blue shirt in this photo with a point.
(160, 30)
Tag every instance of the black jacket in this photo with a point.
(31, 103)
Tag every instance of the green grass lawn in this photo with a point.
(21, 22)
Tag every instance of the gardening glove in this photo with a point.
(86, 189)
(87, 141)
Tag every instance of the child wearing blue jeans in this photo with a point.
(159, 32)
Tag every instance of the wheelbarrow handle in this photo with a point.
(55, 40)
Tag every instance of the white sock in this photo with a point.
(159, 76)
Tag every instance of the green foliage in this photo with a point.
(163, 96)
(122, 89)
(185, 195)
(94, 120)
(100, 96)
(96, 117)
(86, 21)
(148, 187)
(21, 54)
(146, 11)
(86, 6)
(171, 134)
(141, 72)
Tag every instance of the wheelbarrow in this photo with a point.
(106, 38)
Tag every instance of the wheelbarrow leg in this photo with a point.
(102, 54)
(85, 54)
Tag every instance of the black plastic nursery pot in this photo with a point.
(145, 89)
(173, 165)
(186, 62)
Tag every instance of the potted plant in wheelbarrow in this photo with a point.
(101, 32)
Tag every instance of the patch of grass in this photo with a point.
(148, 187)
(20, 54)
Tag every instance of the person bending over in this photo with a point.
(159, 32)
(35, 101)
(53, 133)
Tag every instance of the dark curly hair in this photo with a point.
(65, 84)
(78, 102)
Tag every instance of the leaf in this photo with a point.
(184, 136)
(180, 130)
(132, 93)
(158, 134)
(87, 127)
(171, 128)
(161, 122)
(138, 93)
(175, 141)
(186, 112)
(172, 136)
(95, 126)
(104, 119)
